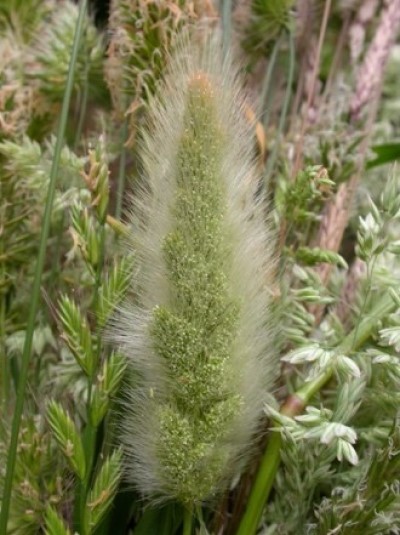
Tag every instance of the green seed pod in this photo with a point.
(198, 335)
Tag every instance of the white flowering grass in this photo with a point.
(198, 332)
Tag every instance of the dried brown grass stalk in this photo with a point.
(371, 71)
(305, 11)
(367, 91)
(364, 16)
(311, 91)
(337, 212)
(312, 86)
(337, 58)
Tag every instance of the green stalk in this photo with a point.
(99, 273)
(27, 350)
(121, 171)
(188, 521)
(90, 432)
(285, 107)
(226, 23)
(5, 365)
(89, 442)
(293, 406)
(262, 485)
(266, 87)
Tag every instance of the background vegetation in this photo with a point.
(321, 79)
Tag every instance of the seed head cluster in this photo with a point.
(198, 332)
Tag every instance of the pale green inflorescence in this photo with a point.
(198, 337)
(195, 334)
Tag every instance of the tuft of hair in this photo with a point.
(198, 333)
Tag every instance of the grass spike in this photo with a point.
(199, 333)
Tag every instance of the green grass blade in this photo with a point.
(267, 83)
(386, 153)
(12, 452)
(285, 107)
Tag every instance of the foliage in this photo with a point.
(238, 293)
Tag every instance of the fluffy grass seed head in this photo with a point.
(198, 334)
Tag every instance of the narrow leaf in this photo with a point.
(385, 153)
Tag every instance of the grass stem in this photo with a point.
(121, 171)
(266, 87)
(285, 107)
(5, 365)
(90, 433)
(188, 521)
(226, 23)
